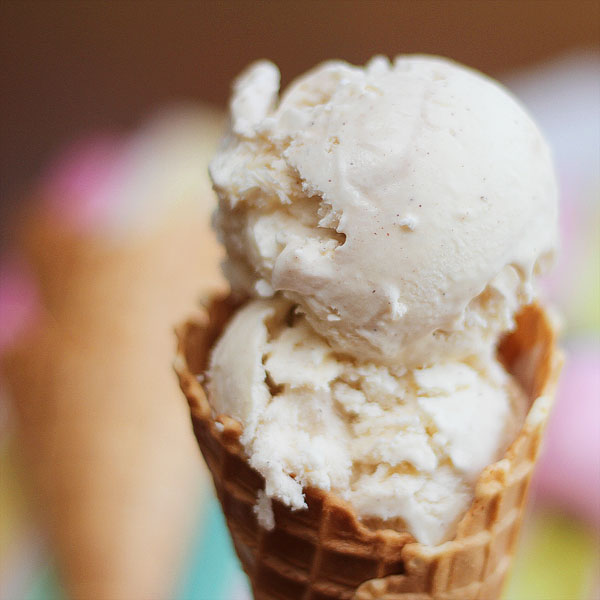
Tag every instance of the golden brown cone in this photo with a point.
(325, 552)
(105, 438)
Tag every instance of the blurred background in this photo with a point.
(109, 114)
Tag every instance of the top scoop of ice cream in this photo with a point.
(405, 208)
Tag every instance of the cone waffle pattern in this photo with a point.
(325, 552)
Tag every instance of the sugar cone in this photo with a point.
(107, 451)
(107, 454)
(325, 552)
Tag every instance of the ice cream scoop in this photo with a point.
(405, 207)
(403, 447)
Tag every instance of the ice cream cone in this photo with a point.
(325, 552)
(109, 461)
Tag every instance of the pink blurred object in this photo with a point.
(19, 301)
(569, 471)
(73, 188)
(76, 185)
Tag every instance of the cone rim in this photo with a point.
(539, 381)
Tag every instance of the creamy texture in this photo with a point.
(403, 446)
(390, 220)
(404, 207)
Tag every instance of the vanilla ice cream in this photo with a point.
(384, 224)
(403, 447)
(404, 207)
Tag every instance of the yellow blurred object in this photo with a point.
(558, 559)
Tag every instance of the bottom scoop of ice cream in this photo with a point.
(404, 447)
(406, 207)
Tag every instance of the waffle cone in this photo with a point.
(325, 552)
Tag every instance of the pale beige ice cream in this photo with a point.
(388, 221)
(405, 207)
(397, 444)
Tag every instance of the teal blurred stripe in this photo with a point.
(212, 568)
(45, 585)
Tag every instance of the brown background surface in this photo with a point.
(68, 67)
